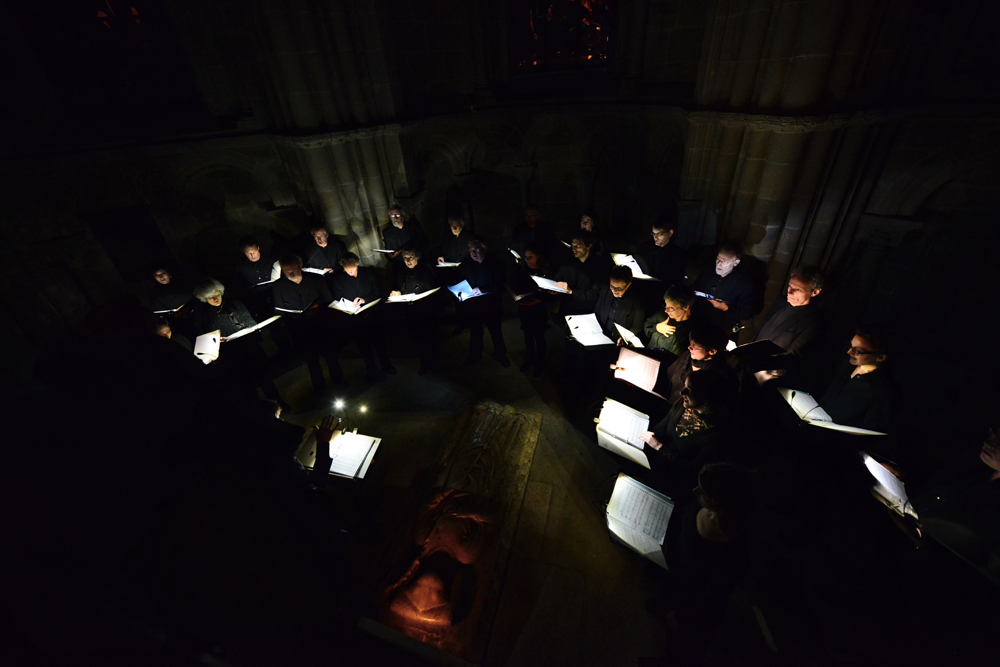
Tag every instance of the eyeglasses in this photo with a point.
(578, 246)
(857, 351)
(657, 235)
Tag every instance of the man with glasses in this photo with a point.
(400, 231)
(618, 305)
(862, 391)
(660, 257)
(735, 295)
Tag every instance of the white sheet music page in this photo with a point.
(889, 487)
(348, 451)
(587, 330)
(637, 369)
(622, 422)
(628, 336)
(206, 346)
(804, 405)
(548, 284)
(640, 507)
(638, 541)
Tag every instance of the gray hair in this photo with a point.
(203, 291)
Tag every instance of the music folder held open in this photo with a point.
(351, 453)
(629, 261)
(637, 369)
(348, 307)
(403, 298)
(206, 346)
(587, 330)
(618, 431)
(809, 411)
(888, 488)
(637, 517)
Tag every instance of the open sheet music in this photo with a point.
(383, 250)
(629, 261)
(463, 291)
(618, 431)
(402, 298)
(704, 295)
(206, 346)
(628, 336)
(351, 453)
(587, 330)
(311, 270)
(637, 369)
(286, 310)
(638, 517)
(348, 307)
(548, 284)
(514, 252)
(809, 411)
(889, 488)
(448, 265)
(250, 330)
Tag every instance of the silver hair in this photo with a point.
(202, 292)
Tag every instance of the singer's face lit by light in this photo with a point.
(252, 252)
(410, 260)
(586, 222)
(396, 218)
(292, 272)
(699, 352)
(215, 299)
(618, 287)
(162, 277)
(477, 251)
(531, 259)
(456, 227)
(351, 269)
(321, 238)
(799, 292)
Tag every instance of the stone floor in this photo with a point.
(571, 597)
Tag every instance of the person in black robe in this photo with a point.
(706, 351)
(696, 431)
(455, 246)
(485, 275)
(532, 307)
(792, 324)
(583, 277)
(661, 258)
(359, 285)
(535, 232)
(301, 298)
(163, 329)
(168, 294)
(254, 272)
(862, 391)
(707, 554)
(325, 251)
(588, 223)
(735, 296)
(242, 358)
(400, 231)
(418, 317)
(617, 304)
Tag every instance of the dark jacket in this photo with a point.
(540, 236)
(251, 274)
(666, 263)
(395, 238)
(744, 296)
(299, 296)
(791, 328)
(864, 401)
(488, 276)
(626, 311)
(364, 286)
(325, 258)
(169, 297)
(680, 369)
(455, 248)
(415, 281)
(585, 279)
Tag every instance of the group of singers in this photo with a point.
(689, 326)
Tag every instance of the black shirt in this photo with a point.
(328, 257)
(540, 236)
(625, 310)
(299, 296)
(666, 263)
(488, 276)
(676, 343)
(790, 327)
(364, 286)
(456, 248)
(168, 297)
(254, 273)
(395, 238)
(864, 401)
(744, 296)
(585, 279)
(415, 281)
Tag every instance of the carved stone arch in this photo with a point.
(190, 173)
